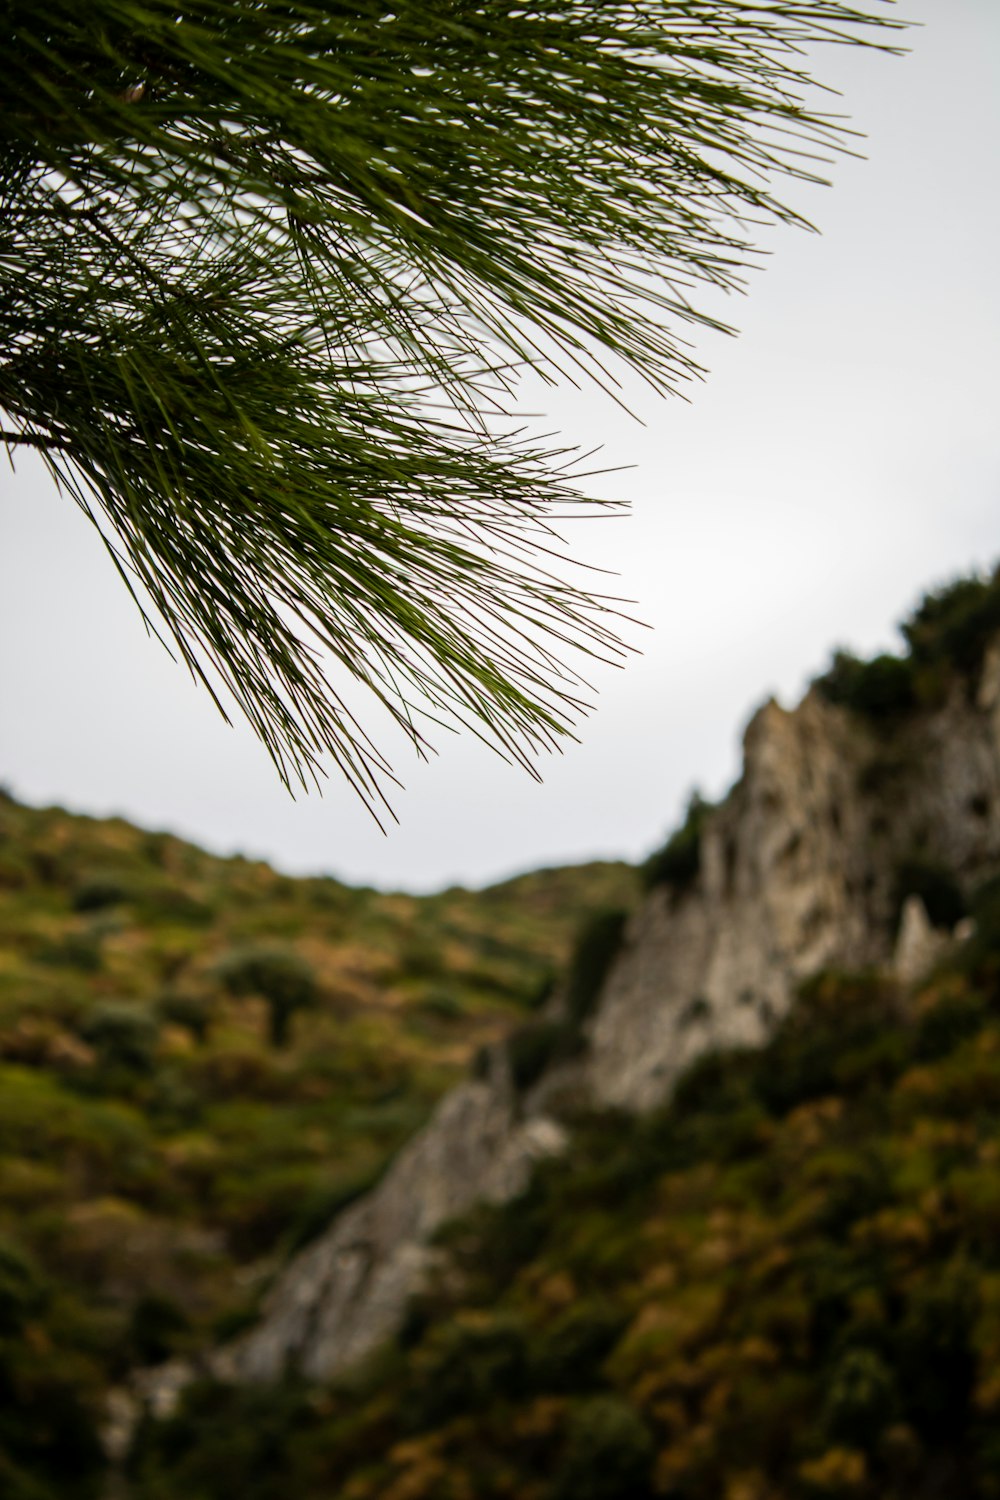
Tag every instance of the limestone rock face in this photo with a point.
(798, 872)
(347, 1291)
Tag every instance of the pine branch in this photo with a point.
(269, 273)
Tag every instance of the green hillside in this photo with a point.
(200, 1061)
(785, 1286)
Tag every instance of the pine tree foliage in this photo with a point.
(269, 270)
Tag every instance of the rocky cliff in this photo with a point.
(798, 871)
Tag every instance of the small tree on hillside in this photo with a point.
(283, 979)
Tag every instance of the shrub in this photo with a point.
(677, 864)
(184, 1008)
(154, 1328)
(98, 890)
(123, 1036)
(281, 977)
(936, 1353)
(861, 1398)
(568, 1355)
(955, 623)
(937, 888)
(467, 1367)
(881, 689)
(21, 1295)
(532, 1049)
(608, 1454)
(76, 950)
(597, 946)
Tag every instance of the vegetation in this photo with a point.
(677, 864)
(597, 946)
(784, 1286)
(201, 1061)
(946, 638)
(272, 270)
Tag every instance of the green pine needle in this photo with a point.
(269, 271)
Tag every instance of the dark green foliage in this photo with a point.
(98, 890)
(534, 1048)
(937, 1354)
(75, 950)
(677, 864)
(226, 1441)
(21, 1292)
(280, 976)
(123, 1036)
(946, 636)
(595, 950)
(467, 1366)
(862, 1398)
(184, 1008)
(573, 1348)
(156, 1325)
(955, 623)
(949, 1023)
(839, 1017)
(883, 689)
(609, 1453)
(937, 888)
(319, 1206)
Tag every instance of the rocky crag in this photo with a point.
(797, 871)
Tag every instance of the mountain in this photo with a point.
(754, 1253)
(867, 793)
(719, 1220)
(201, 1060)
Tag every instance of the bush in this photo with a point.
(861, 1398)
(597, 946)
(76, 950)
(567, 1357)
(467, 1367)
(122, 1036)
(21, 1294)
(100, 889)
(282, 978)
(677, 864)
(937, 888)
(936, 1353)
(532, 1049)
(155, 1326)
(188, 1010)
(956, 623)
(608, 1454)
(881, 689)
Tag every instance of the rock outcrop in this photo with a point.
(347, 1291)
(798, 871)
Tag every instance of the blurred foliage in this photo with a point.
(678, 862)
(159, 1156)
(783, 1286)
(597, 945)
(937, 888)
(282, 977)
(946, 639)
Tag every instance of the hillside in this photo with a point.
(719, 1222)
(757, 1258)
(783, 1286)
(200, 1061)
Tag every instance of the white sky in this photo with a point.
(843, 456)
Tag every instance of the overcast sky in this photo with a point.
(843, 456)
